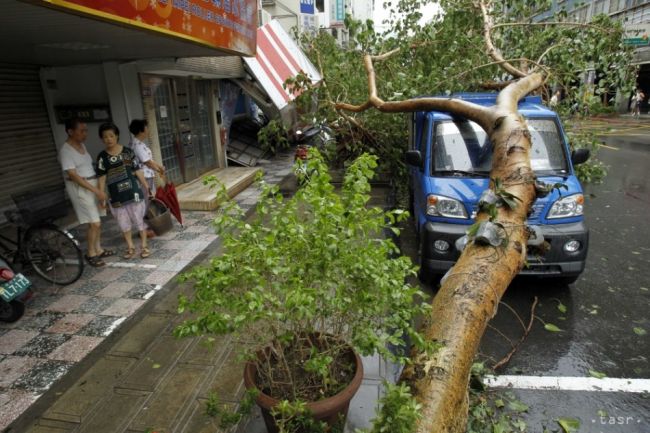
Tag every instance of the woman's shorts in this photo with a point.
(84, 202)
(130, 215)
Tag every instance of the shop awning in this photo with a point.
(278, 58)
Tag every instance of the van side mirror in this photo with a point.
(579, 156)
(414, 158)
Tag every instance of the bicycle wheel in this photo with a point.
(54, 254)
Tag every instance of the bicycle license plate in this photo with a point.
(14, 288)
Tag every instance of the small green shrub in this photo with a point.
(308, 278)
(273, 137)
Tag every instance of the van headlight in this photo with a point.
(565, 207)
(438, 205)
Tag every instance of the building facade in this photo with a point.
(317, 15)
(635, 17)
(159, 60)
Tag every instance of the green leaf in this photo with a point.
(602, 413)
(155, 365)
(569, 425)
(517, 406)
(510, 202)
(639, 331)
(473, 229)
(597, 374)
(499, 403)
(561, 307)
(520, 425)
(552, 328)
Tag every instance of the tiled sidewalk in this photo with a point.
(63, 325)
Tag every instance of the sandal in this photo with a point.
(130, 252)
(95, 261)
(145, 253)
(106, 253)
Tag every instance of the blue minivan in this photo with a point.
(450, 160)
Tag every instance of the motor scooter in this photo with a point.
(317, 135)
(14, 291)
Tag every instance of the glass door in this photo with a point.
(183, 122)
(187, 153)
(201, 126)
(161, 91)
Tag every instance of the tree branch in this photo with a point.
(474, 112)
(509, 97)
(527, 329)
(491, 49)
(497, 85)
(552, 23)
(541, 57)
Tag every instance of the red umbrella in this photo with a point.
(167, 194)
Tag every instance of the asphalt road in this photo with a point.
(597, 315)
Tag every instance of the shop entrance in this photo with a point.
(643, 82)
(183, 125)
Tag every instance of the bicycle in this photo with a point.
(52, 252)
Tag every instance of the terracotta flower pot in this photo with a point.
(331, 409)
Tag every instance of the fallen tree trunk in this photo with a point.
(470, 294)
(471, 291)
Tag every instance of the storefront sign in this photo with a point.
(229, 25)
(338, 12)
(86, 113)
(308, 23)
(307, 6)
(637, 35)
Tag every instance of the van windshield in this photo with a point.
(462, 147)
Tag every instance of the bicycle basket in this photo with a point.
(45, 204)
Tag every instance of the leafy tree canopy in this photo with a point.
(448, 54)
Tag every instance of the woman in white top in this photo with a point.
(81, 185)
(140, 132)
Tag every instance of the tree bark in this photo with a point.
(470, 294)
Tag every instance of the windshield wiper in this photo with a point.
(462, 173)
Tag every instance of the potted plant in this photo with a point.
(315, 281)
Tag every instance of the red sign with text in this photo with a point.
(230, 25)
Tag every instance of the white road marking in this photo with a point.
(113, 326)
(130, 265)
(152, 292)
(606, 384)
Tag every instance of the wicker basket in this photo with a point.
(158, 217)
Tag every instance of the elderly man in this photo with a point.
(81, 185)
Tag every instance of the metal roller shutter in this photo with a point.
(224, 67)
(28, 156)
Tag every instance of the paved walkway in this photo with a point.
(142, 379)
(63, 326)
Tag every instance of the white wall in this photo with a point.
(109, 84)
(290, 8)
(362, 9)
(75, 85)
